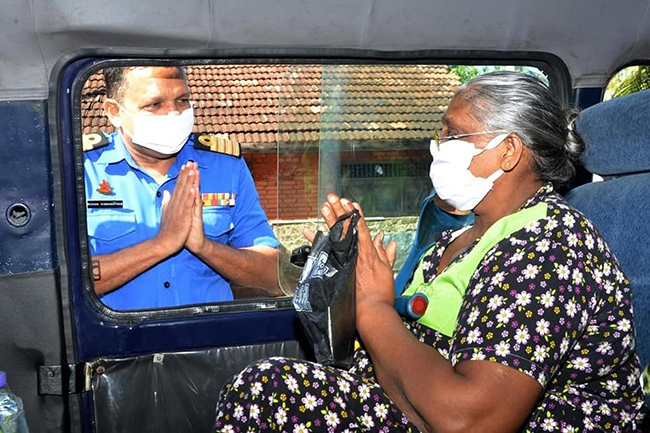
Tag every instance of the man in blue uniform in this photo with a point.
(173, 218)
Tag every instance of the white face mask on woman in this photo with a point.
(165, 134)
(450, 174)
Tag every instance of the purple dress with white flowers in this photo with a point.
(550, 301)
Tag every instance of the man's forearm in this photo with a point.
(111, 271)
(252, 267)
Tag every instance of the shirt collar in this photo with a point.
(545, 190)
(118, 152)
(187, 153)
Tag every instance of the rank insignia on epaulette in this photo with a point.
(218, 199)
(94, 140)
(219, 143)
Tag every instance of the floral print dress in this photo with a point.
(550, 301)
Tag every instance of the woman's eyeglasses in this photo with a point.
(439, 139)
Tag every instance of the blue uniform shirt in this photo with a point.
(130, 213)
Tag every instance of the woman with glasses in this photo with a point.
(529, 325)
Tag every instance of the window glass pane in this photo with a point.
(365, 129)
(361, 131)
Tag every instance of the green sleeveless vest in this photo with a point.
(447, 290)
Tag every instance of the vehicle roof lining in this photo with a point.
(592, 41)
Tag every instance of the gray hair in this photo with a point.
(522, 104)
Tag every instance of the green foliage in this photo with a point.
(631, 80)
(467, 72)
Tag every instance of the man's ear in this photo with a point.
(112, 111)
(512, 152)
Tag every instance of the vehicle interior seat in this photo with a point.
(617, 138)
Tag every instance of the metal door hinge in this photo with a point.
(91, 368)
(68, 379)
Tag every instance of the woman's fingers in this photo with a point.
(378, 243)
(357, 206)
(309, 234)
(335, 204)
(387, 254)
(391, 253)
(328, 214)
(347, 205)
(363, 233)
(334, 208)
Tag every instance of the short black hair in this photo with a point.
(114, 79)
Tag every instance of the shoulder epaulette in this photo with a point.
(94, 140)
(219, 143)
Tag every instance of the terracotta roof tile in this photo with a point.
(296, 103)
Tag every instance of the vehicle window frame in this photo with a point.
(552, 67)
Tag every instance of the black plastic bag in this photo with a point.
(325, 299)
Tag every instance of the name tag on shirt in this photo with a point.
(105, 204)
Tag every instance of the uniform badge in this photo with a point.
(105, 188)
(218, 199)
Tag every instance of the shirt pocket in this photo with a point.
(217, 223)
(110, 230)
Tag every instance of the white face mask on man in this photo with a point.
(165, 134)
(450, 174)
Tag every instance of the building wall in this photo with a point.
(296, 195)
